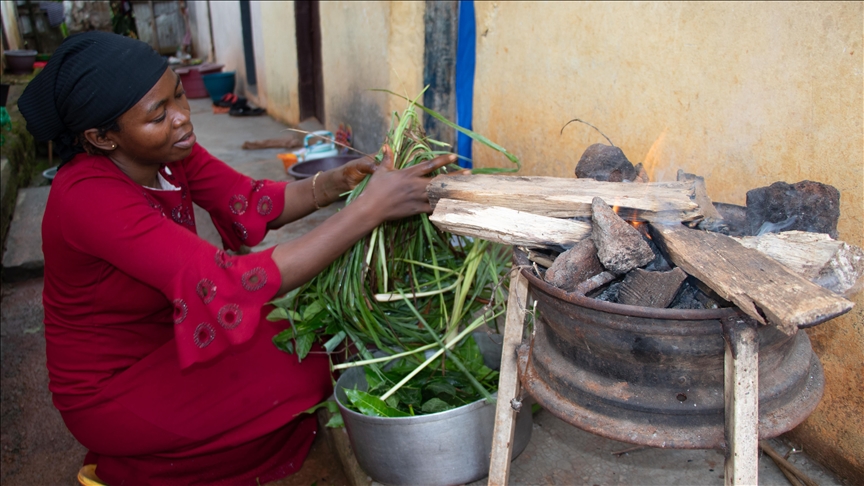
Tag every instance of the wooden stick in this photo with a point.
(508, 382)
(507, 226)
(784, 464)
(567, 198)
(754, 282)
(741, 393)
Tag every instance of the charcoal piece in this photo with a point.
(609, 293)
(805, 206)
(574, 266)
(735, 218)
(605, 163)
(659, 263)
(650, 289)
(620, 247)
(686, 298)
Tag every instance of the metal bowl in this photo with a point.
(451, 447)
(309, 168)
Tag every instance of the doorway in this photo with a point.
(311, 81)
(248, 47)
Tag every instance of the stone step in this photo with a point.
(23, 257)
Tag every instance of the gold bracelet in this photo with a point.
(315, 199)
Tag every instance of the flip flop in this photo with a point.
(245, 110)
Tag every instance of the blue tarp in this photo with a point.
(465, 61)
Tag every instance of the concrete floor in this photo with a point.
(36, 448)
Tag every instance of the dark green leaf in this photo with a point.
(335, 422)
(304, 345)
(277, 314)
(441, 388)
(283, 341)
(330, 405)
(436, 405)
(372, 405)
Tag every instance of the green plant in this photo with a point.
(406, 290)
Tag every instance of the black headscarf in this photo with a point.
(90, 80)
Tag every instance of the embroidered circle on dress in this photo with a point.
(230, 316)
(238, 204)
(206, 289)
(223, 260)
(254, 279)
(180, 310)
(257, 185)
(240, 231)
(204, 335)
(182, 215)
(265, 205)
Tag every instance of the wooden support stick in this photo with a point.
(508, 382)
(741, 392)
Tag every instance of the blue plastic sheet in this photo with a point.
(465, 61)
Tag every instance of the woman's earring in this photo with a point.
(113, 146)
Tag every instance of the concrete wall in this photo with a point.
(369, 45)
(744, 94)
(279, 66)
(199, 24)
(10, 24)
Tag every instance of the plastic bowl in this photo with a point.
(20, 61)
(309, 168)
(219, 84)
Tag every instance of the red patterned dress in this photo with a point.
(159, 356)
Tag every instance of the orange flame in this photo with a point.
(653, 156)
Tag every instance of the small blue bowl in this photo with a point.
(219, 84)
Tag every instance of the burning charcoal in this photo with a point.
(574, 266)
(805, 206)
(650, 289)
(605, 163)
(620, 247)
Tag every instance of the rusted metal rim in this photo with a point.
(621, 309)
(655, 430)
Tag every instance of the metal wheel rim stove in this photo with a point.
(654, 376)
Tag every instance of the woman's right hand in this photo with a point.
(394, 194)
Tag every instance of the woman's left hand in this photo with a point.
(355, 171)
(335, 182)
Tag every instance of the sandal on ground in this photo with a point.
(245, 110)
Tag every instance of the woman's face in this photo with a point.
(158, 129)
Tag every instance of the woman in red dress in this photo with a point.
(159, 356)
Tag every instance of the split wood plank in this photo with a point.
(754, 282)
(507, 226)
(741, 396)
(508, 382)
(568, 198)
(833, 264)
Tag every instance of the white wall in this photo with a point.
(199, 23)
(228, 38)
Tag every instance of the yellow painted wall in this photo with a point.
(280, 61)
(364, 46)
(744, 94)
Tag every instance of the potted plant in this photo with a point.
(413, 295)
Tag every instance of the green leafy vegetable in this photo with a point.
(409, 291)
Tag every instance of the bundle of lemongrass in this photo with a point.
(408, 291)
